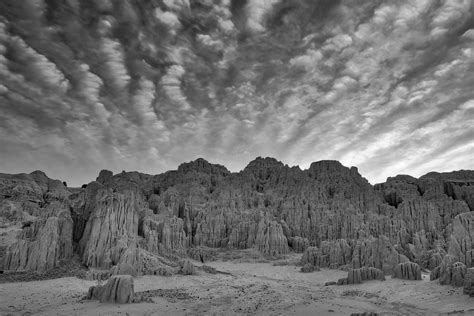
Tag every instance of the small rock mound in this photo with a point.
(356, 276)
(118, 289)
(469, 282)
(187, 268)
(407, 271)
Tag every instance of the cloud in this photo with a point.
(176, 4)
(171, 82)
(338, 42)
(42, 70)
(168, 18)
(207, 41)
(384, 85)
(256, 10)
(142, 100)
(90, 85)
(307, 61)
(117, 72)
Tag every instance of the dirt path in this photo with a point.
(253, 288)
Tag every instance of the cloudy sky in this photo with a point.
(385, 85)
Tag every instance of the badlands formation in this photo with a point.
(271, 239)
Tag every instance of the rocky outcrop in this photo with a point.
(469, 282)
(378, 253)
(331, 254)
(435, 273)
(461, 241)
(111, 228)
(307, 268)
(119, 289)
(357, 276)
(44, 243)
(329, 212)
(298, 244)
(270, 239)
(123, 269)
(310, 256)
(407, 271)
(165, 235)
(35, 187)
(100, 275)
(451, 272)
(187, 268)
(431, 259)
(105, 177)
(202, 254)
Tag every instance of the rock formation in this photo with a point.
(329, 212)
(123, 269)
(307, 268)
(44, 243)
(450, 272)
(298, 244)
(469, 282)
(357, 276)
(187, 268)
(407, 271)
(118, 289)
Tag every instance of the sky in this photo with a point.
(384, 85)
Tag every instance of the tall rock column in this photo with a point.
(111, 228)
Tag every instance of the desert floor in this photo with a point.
(252, 288)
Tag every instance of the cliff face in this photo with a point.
(330, 211)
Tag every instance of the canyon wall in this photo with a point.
(328, 212)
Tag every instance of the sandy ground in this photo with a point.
(253, 288)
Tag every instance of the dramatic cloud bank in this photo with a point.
(145, 85)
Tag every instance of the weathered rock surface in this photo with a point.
(469, 282)
(44, 243)
(431, 259)
(329, 212)
(123, 269)
(407, 271)
(118, 289)
(187, 268)
(298, 244)
(357, 276)
(451, 271)
(111, 228)
(435, 273)
(307, 268)
(461, 241)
